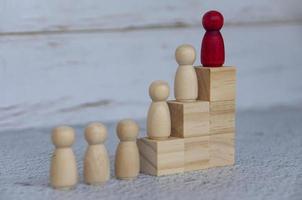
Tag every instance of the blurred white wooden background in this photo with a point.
(68, 61)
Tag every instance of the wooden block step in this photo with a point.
(222, 149)
(197, 153)
(216, 83)
(161, 157)
(189, 119)
(222, 117)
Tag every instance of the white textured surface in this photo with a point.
(268, 165)
(64, 16)
(47, 80)
(78, 61)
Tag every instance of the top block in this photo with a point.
(216, 84)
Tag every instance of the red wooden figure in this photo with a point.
(212, 46)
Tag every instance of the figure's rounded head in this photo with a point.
(159, 90)
(185, 55)
(212, 21)
(127, 130)
(95, 133)
(63, 136)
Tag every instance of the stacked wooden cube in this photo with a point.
(202, 130)
(217, 86)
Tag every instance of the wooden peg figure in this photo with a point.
(186, 83)
(212, 47)
(158, 119)
(96, 160)
(127, 154)
(63, 169)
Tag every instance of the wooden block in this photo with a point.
(222, 117)
(222, 149)
(161, 157)
(197, 153)
(216, 83)
(189, 119)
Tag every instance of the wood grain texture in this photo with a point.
(96, 160)
(197, 153)
(96, 165)
(185, 82)
(222, 149)
(161, 157)
(56, 77)
(216, 84)
(126, 164)
(189, 119)
(64, 16)
(63, 173)
(222, 117)
(158, 117)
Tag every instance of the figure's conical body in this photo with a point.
(158, 119)
(63, 169)
(127, 160)
(127, 155)
(96, 161)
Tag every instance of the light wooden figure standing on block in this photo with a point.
(96, 161)
(186, 82)
(63, 169)
(127, 154)
(158, 119)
